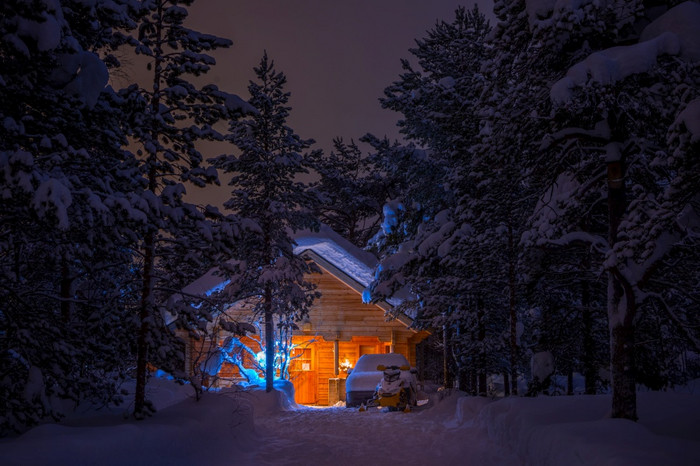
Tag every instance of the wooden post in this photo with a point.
(336, 356)
(445, 361)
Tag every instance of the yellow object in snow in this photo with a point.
(391, 400)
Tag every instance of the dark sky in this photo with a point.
(338, 55)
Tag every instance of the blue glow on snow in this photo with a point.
(260, 359)
(161, 374)
(366, 296)
(378, 271)
(218, 287)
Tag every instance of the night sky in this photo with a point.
(338, 55)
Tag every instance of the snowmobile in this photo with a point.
(394, 392)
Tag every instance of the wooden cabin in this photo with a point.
(340, 327)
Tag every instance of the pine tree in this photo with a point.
(266, 189)
(64, 250)
(437, 101)
(428, 254)
(168, 120)
(533, 45)
(351, 192)
(610, 136)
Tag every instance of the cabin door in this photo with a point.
(303, 375)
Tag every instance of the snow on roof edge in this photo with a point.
(338, 251)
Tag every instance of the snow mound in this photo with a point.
(214, 429)
(577, 430)
(279, 400)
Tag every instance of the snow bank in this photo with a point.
(215, 429)
(262, 402)
(253, 427)
(577, 430)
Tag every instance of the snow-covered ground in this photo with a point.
(257, 428)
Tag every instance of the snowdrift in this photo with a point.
(184, 431)
(577, 430)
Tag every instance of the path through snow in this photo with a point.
(341, 436)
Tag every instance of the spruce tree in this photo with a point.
(64, 178)
(610, 136)
(438, 105)
(265, 188)
(167, 119)
(351, 192)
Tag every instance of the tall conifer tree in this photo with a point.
(168, 118)
(266, 188)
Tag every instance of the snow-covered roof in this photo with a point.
(326, 243)
(338, 256)
(209, 283)
(339, 252)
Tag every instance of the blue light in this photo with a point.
(366, 296)
(218, 287)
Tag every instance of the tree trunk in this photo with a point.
(482, 384)
(481, 335)
(150, 238)
(447, 380)
(621, 305)
(590, 371)
(269, 341)
(623, 379)
(622, 360)
(513, 314)
(142, 339)
(66, 291)
(473, 383)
